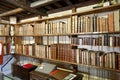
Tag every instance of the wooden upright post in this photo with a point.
(73, 10)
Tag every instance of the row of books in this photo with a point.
(103, 40)
(98, 58)
(86, 57)
(4, 29)
(59, 27)
(87, 23)
(96, 23)
(64, 52)
(6, 44)
(25, 29)
(75, 40)
(32, 50)
(61, 52)
(60, 40)
(43, 40)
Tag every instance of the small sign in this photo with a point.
(106, 3)
(13, 20)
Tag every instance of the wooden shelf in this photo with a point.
(4, 35)
(74, 45)
(45, 59)
(5, 23)
(114, 70)
(39, 37)
(94, 33)
(99, 10)
(68, 34)
(96, 10)
(40, 20)
(101, 46)
(23, 35)
(44, 35)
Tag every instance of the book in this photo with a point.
(116, 20)
(94, 23)
(76, 24)
(118, 61)
(59, 74)
(46, 68)
(111, 22)
(73, 24)
(98, 57)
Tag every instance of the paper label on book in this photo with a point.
(13, 20)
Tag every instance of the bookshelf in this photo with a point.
(77, 38)
(113, 70)
(4, 36)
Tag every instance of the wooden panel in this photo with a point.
(57, 4)
(68, 2)
(11, 12)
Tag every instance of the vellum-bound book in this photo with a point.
(46, 68)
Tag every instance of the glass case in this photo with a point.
(4, 77)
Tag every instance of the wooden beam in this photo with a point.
(58, 5)
(9, 5)
(2, 10)
(29, 16)
(82, 0)
(11, 12)
(23, 13)
(68, 2)
(19, 15)
(48, 7)
(86, 3)
(73, 10)
(50, 2)
(5, 18)
(26, 7)
(4, 7)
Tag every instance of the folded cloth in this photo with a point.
(28, 66)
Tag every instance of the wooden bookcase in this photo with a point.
(5, 37)
(63, 38)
